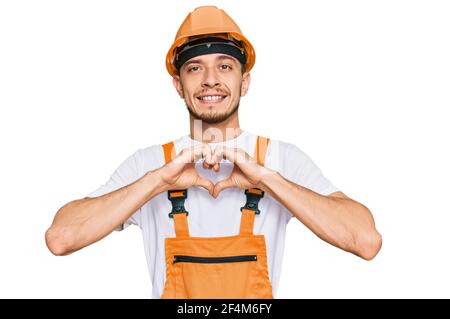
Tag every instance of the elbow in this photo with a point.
(370, 245)
(58, 242)
(61, 236)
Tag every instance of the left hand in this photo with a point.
(246, 173)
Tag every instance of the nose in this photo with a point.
(210, 79)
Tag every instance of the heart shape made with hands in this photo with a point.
(246, 172)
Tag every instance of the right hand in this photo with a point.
(180, 173)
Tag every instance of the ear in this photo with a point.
(245, 83)
(178, 86)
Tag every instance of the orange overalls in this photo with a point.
(218, 267)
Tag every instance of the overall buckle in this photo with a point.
(177, 197)
(253, 197)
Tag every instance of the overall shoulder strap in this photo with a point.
(253, 195)
(177, 198)
(262, 143)
(169, 152)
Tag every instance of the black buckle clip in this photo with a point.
(177, 197)
(253, 200)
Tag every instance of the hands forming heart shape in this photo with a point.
(180, 173)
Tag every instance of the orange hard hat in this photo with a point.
(208, 21)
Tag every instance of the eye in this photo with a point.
(193, 68)
(225, 67)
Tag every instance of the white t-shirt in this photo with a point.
(215, 217)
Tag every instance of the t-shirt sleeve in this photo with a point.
(127, 173)
(300, 169)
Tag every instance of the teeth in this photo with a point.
(211, 97)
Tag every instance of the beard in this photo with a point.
(214, 117)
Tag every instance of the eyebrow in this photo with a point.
(226, 57)
(220, 57)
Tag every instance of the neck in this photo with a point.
(217, 132)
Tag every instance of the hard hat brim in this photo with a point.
(248, 47)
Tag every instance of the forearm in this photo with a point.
(341, 222)
(85, 221)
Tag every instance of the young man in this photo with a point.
(210, 62)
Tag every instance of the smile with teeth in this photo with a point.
(211, 98)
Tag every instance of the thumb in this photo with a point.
(205, 183)
(223, 184)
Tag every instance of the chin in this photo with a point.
(209, 114)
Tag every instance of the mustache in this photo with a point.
(211, 91)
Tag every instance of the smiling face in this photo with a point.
(212, 85)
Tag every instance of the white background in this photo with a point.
(363, 87)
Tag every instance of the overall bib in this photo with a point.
(217, 267)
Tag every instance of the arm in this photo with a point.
(335, 218)
(82, 222)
